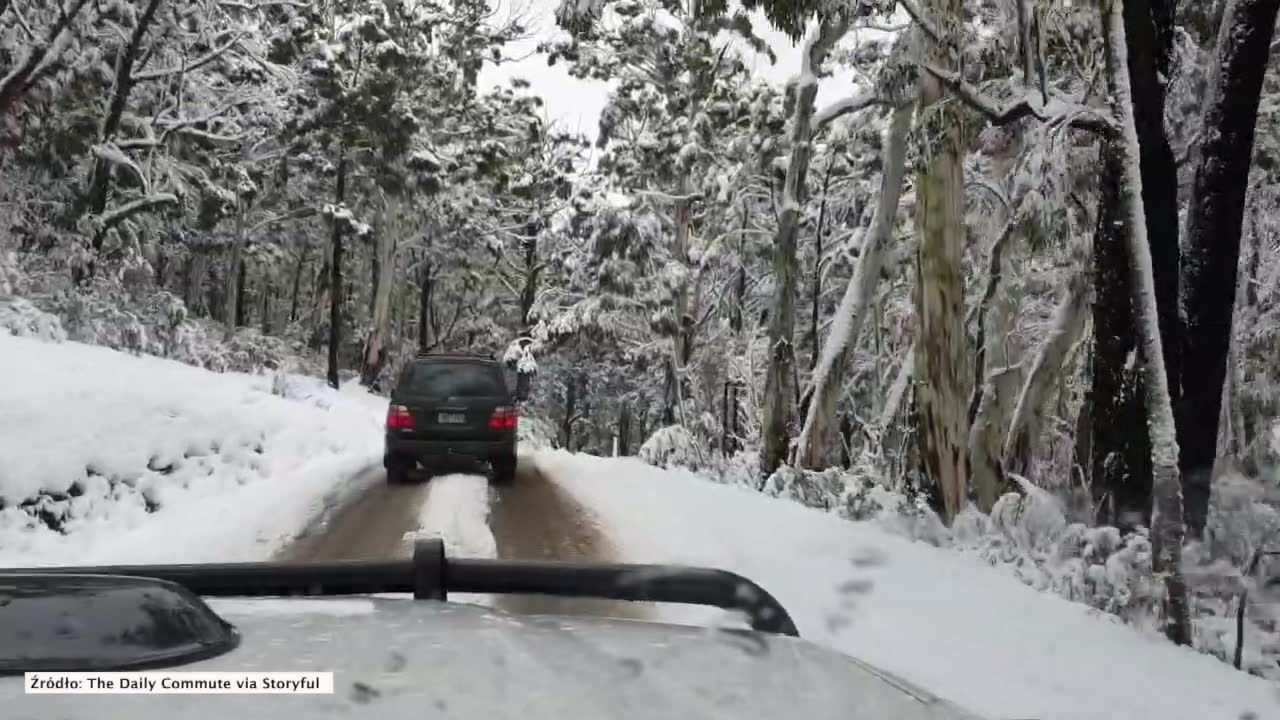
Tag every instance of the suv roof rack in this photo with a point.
(430, 575)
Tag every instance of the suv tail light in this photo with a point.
(504, 417)
(399, 418)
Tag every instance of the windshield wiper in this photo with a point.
(430, 575)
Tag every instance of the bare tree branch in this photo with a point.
(27, 73)
(262, 4)
(1056, 112)
(844, 107)
(118, 215)
(188, 67)
(22, 21)
(112, 153)
(925, 23)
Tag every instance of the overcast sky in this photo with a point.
(576, 104)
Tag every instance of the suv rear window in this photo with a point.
(437, 379)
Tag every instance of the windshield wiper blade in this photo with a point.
(430, 575)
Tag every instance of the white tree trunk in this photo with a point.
(1068, 324)
(810, 452)
(986, 435)
(1167, 526)
(779, 404)
(898, 390)
(376, 346)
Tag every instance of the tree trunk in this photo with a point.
(779, 404)
(375, 349)
(268, 294)
(1213, 237)
(987, 430)
(424, 306)
(942, 388)
(297, 282)
(995, 273)
(235, 266)
(1167, 526)
(100, 175)
(815, 312)
(681, 348)
(624, 429)
(335, 274)
(1148, 26)
(570, 407)
(740, 278)
(1046, 371)
(197, 269)
(1119, 455)
(988, 419)
(828, 374)
(241, 308)
(724, 420)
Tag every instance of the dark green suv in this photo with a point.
(447, 409)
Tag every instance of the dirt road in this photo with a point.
(530, 519)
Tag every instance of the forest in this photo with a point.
(1030, 257)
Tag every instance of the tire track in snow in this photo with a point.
(532, 518)
(369, 526)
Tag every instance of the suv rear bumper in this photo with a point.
(448, 450)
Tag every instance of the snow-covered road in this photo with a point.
(146, 460)
(529, 519)
(939, 618)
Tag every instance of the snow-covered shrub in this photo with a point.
(1098, 566)
(674, 446)
(816, 489)
(856, 496)
(159, 324)
(1234, 562)
(19, 317)
(248, 351)
(1029, 534)
(536, 432)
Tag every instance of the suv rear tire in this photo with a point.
(504, 469)
(397, 471)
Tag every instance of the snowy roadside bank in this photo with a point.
(110, 457)
(944, 620)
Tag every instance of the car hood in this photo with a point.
(394, 658)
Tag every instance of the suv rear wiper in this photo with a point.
(430, 575)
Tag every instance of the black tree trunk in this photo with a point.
(1213, 239)
(624, 430)
(335, 276)
(242, 311)
(297, 283)
(1119, 442)
(424, 308)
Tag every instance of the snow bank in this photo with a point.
(108, 457)
(947, 621)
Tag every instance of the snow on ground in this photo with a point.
(941, 619)
(457, 511)
(107, 457)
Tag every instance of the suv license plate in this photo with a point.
(452, 418)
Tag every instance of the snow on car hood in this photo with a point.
(395, 658)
